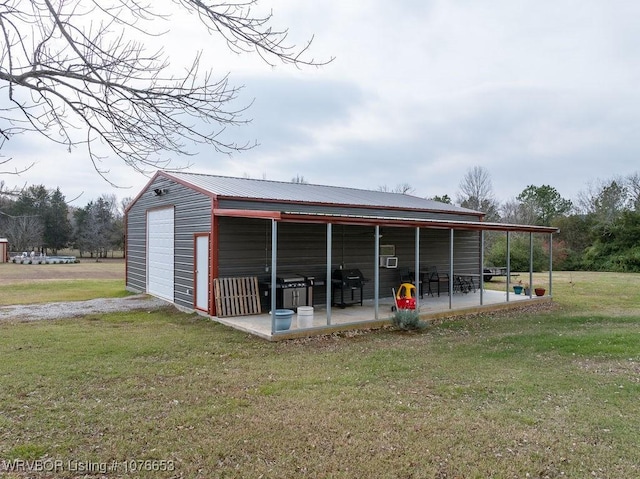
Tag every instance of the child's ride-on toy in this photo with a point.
(405, 298)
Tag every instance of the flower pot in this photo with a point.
(527, 291)
(283, 319)
(517, 289)
(540, 291)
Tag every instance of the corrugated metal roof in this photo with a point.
(225, 186)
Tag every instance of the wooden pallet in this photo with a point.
(237, 296)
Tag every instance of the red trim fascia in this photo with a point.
(267, 215)
(371, 221)
(126, 248)
(213, 253)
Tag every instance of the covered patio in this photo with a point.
(368, 316)
(375, 309)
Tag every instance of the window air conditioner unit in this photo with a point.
(388, 258)
(389, 262)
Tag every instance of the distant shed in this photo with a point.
(4, 250)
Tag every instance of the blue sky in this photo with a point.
(419, 92)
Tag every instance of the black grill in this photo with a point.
(291, 291)
(350, 280)
(291, 282)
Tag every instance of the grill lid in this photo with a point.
(291, 279)
(348, 274)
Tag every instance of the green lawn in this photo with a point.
(547, 393)
(64, 290)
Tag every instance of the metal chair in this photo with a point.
(433, 276)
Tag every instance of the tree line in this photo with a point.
(39, 219)
(600, 231)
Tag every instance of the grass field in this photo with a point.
(539, 394)
(44, 283)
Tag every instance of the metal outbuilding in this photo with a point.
(189, 236)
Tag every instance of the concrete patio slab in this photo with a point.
(368, 316)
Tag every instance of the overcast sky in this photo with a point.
(419, 92)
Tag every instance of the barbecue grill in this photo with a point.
(350, 280)
(291, 291)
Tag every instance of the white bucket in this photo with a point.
(305, 317)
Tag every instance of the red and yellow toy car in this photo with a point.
(405, 298)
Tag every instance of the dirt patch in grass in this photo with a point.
(11, 273)
(629, 368)
(75, 309)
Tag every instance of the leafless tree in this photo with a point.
(6, 192)
(517, 212)
(475, 186)
(299, 179)
(605, 198)
(402, 188)
(476, 192)
(111, 203)
(24, 232)
(124, 204)
(633, 182)
(78, 73)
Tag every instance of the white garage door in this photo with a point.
(160, 253)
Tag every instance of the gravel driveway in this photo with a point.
(72, 309)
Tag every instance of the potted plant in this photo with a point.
(527, 289)
(540, 291)
(517, 288)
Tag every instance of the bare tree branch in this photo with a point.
(6, 161)
(77, 73)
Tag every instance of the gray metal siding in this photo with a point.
(192, 215)
(343, 210)
(136, 231)
(245, 249)
(466, 252)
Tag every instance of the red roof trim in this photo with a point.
(267, 215)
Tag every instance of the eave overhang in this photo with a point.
(325, 218)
